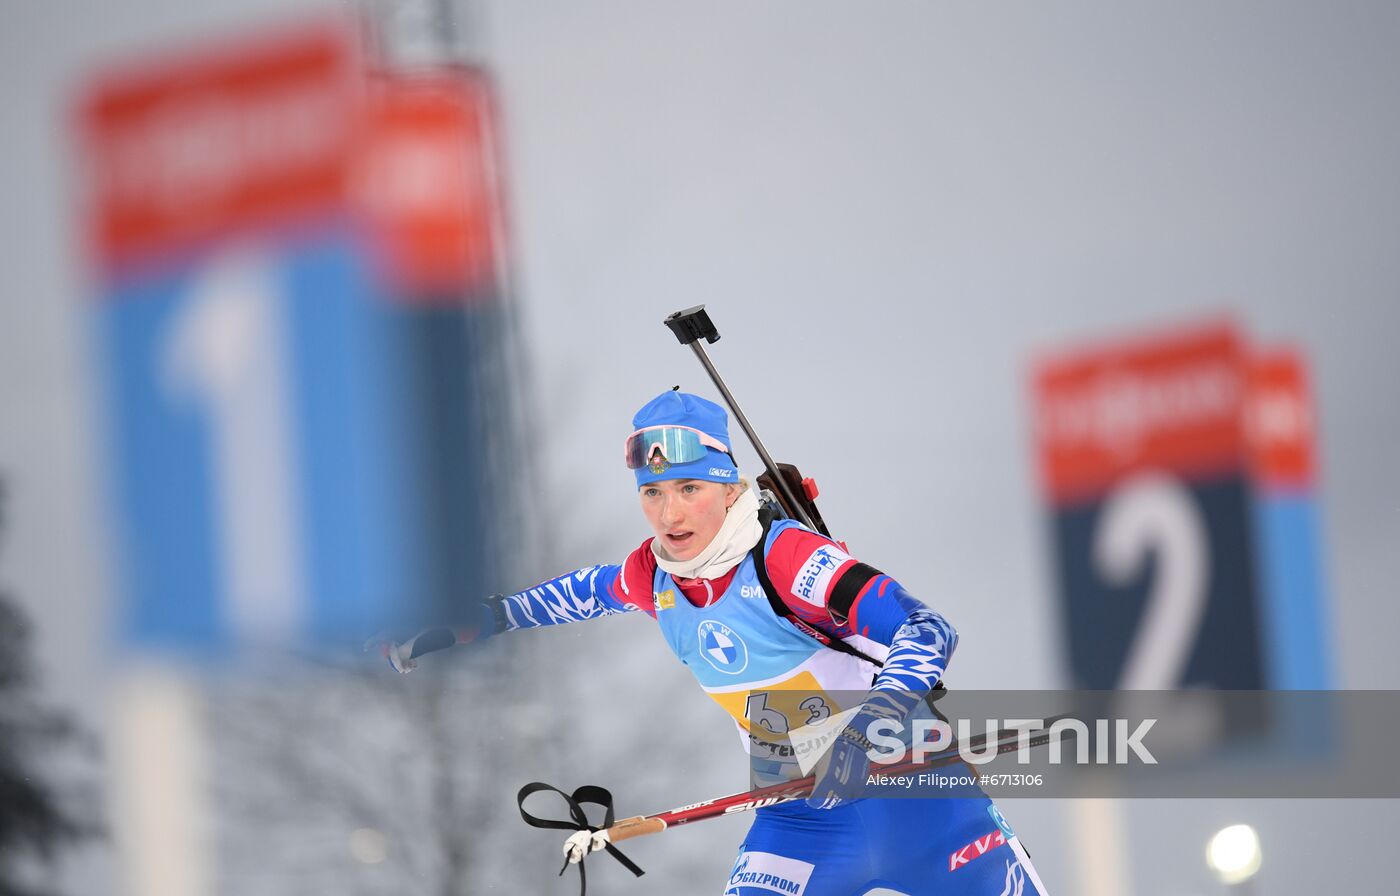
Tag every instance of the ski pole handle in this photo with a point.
(636, 826)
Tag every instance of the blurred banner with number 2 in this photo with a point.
(1179, 469)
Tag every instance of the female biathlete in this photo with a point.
(777, 664)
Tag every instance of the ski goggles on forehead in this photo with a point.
(670, 444)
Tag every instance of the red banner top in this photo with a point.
(1173, 401)
(186, 148)
(1281, 421)
(426, 177)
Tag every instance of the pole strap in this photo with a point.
(577, 821)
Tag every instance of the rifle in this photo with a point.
(782, 486)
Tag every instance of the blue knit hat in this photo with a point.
(676, 408)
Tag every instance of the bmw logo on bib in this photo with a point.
(722, 648)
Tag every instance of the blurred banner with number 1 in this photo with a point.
(297, 333)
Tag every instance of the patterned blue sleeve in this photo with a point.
(919, 653)
(919, 650)
(920, 640)
(575, 596)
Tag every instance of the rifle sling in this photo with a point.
(785, 612)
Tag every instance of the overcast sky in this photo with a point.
(890, 210)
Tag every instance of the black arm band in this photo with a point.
(498, 612)
(847, 589)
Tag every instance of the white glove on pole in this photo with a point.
(581, 843)
(400, 656)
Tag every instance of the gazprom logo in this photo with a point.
(741, 867)
(722, 648)
(770, 873)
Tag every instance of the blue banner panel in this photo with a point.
(1286, 528)
(260, 447)
(1157, 580)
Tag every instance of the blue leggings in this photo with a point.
(919, 847)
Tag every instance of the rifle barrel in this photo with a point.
(778, 478)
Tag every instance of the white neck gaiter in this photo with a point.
(740, 532)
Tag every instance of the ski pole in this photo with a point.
(589, 838)
(773, 794)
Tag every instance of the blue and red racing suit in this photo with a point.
(770, 675)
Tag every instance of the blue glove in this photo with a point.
(841, 772)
